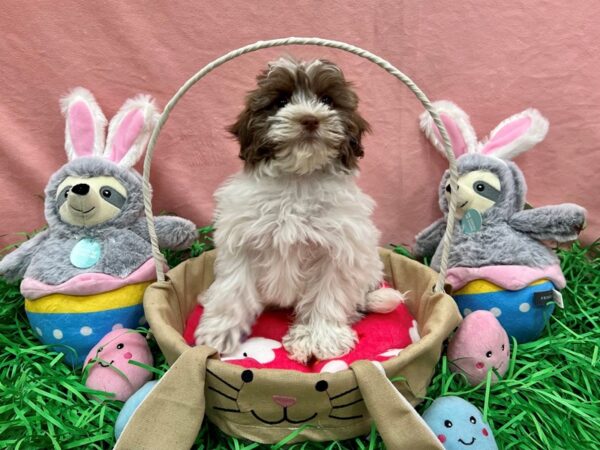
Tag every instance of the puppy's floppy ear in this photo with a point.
(239, 130)
(352, 149)
(246, 131)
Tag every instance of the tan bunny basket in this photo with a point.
(332, 406)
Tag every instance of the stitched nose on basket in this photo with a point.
(284, 402)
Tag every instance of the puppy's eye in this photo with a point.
(106, 193)
(282, 100)
(480, 187)
(489, 354)
(448, 423)
(120, 346)
(326, 100)
(473, 420)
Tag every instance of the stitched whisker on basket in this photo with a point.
(227, 409)
(210, 388)
(345, 405)
(344, 393)
(345, 418)
(222, 380)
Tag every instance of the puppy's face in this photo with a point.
(301, 118)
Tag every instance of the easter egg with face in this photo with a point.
(479, 344)
(459, 425)
(131, 406)
(111, 371)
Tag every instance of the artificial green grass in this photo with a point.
(549, 398)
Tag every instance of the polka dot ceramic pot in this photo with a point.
(74, 324)
(523, 313)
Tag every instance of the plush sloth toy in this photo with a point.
(86, 273)
(498, 260)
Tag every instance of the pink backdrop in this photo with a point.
(490, 59)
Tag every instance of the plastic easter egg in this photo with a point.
(131, 405)
(459, 425)
(479, 344)
(112, 372)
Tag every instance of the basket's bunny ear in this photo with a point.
(84, 124)
(516, 135)
(461, 133)
(130, 129)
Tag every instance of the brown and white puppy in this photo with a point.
(293, 230)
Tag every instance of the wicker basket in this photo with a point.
(332, 406)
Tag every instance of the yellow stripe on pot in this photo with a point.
(61, 303)
(483, 287)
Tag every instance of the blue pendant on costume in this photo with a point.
(86, 253)
(471, 221)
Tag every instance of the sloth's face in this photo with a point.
(479, 190)
(90, 201)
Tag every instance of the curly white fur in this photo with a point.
(297, 241)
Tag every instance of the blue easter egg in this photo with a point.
(131, 405)
(86, 253)
(459, 425)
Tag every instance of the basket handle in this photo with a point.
(447, 240)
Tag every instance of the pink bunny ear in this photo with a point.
(129, 131)
(516, 135)
(84, 124)
(461, 133)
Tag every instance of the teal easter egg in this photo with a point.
(86, 253)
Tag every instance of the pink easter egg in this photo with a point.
(480, 343)
(115, 350)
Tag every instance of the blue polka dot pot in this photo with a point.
(74, 324)
(523, 313)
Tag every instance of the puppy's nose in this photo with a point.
(284, 402)
(81, 189)
(310, 123)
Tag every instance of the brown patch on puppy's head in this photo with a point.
(301, 117)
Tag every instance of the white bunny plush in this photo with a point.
(496, 240)
(95, 255)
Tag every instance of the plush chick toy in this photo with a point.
(498, 260)
(459, 425)
(86, 273)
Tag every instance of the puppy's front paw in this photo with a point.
(213, 334)
(324, 341)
